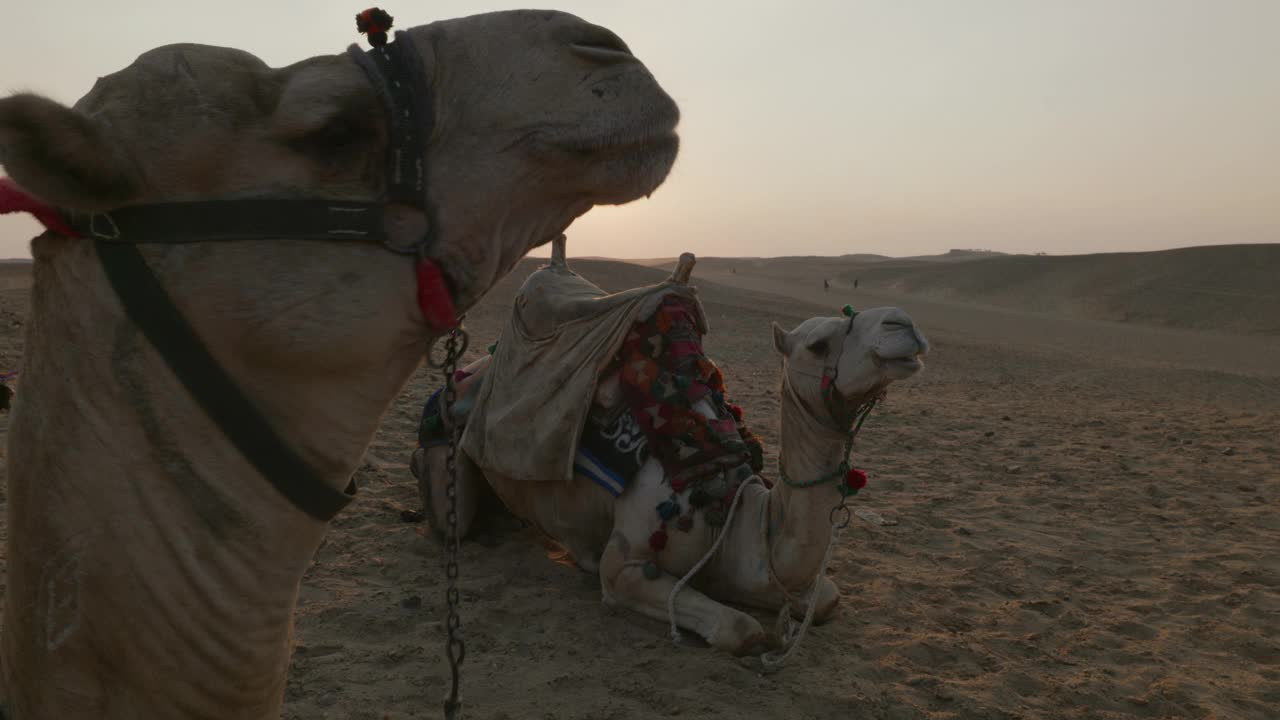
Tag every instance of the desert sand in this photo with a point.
(1085, 525)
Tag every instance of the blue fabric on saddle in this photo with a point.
(611, 453)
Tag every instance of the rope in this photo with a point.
(728, 520)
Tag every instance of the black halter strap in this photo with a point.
(245, 219)
(397, 75)
(148, 305)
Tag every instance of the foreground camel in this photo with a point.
(775, 545)
(152, 571)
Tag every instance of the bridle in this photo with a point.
(395, 70)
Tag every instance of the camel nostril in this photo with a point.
(597, 92)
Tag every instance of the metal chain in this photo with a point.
(455, 649)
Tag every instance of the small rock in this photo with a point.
(1013, 469)
(963, 531)
(411, 516)
(1006, 418)
(989, 433)
(874, 517)
(1229, 451)
(413, 602)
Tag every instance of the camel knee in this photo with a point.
(827, 605)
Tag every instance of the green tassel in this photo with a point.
(848, 311)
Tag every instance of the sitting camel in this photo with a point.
(771, 555)
(152, 562)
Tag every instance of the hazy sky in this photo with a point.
(897, 126)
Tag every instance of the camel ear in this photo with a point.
(782, 340)
(328, 111)
(62, 156)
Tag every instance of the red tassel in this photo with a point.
(658, 540)
(433, 297)
(14, 199)
(855, 479)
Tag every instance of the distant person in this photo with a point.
(855, 283)
(826, 286)
(733, 270)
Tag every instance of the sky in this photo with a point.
(899, 127)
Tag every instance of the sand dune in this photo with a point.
(1086, 528)
(1223, 288)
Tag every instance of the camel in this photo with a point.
(774, 549)
(152, 569)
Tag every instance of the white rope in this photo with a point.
(791, 637)
(671, 599)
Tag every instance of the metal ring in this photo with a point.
(844, 522)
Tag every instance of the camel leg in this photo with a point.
(828, 602)
(623, 583)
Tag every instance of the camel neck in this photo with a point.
(800, 514)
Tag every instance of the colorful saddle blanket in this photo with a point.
(666, 377)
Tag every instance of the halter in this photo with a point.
(845, 417)
(396, 73)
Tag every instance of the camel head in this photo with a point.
(864, 354)
(538, 116)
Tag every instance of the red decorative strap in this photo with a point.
(433, 297)
(14, 199)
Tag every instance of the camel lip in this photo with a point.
(906, 362)
(655, 140)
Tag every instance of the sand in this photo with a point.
(1086, 527)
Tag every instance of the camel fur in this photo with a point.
(152, 572)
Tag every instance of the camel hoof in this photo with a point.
(755, 644)
(739, 635)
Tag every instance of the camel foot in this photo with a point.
(738, 633)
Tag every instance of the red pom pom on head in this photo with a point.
(374, 22)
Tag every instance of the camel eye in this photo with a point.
(818, 347)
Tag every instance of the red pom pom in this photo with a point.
(736, 412)
(374, 22)
(855, 479)
(658, 540)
